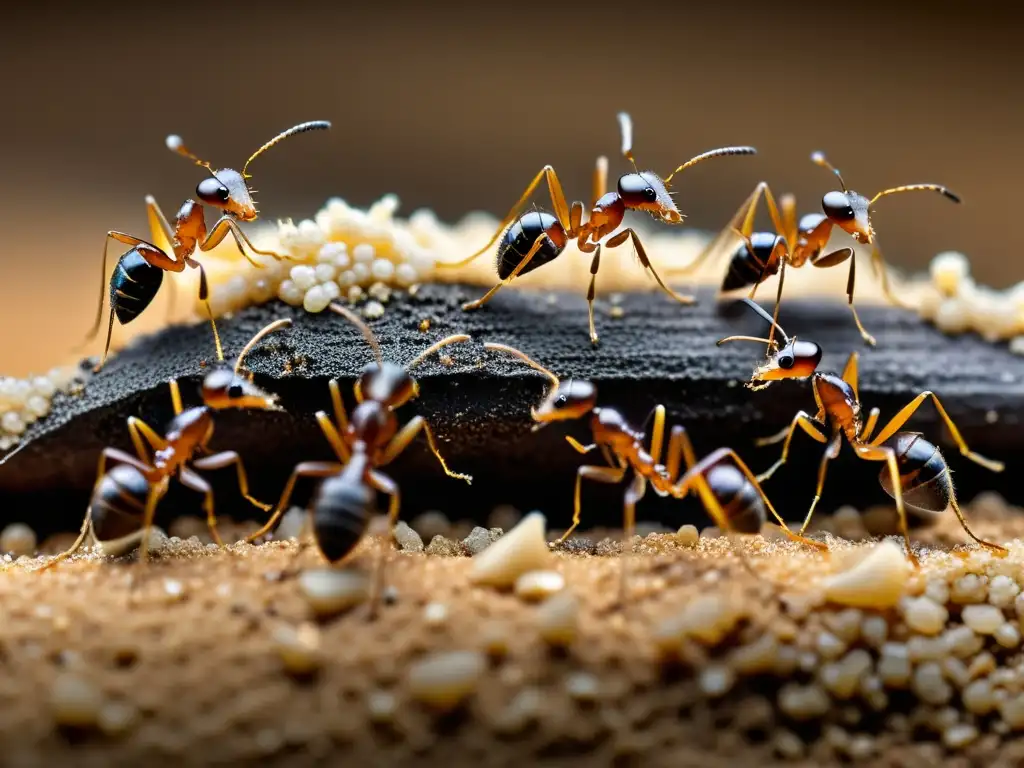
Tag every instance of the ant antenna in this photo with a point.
(314, 125)
(454, 339)
(357, 321)
(525, 358)
(764, 315)
(626, 129)
(176, 144)
(918, 188)
(720, 152)
(260, 335)
(818, 158)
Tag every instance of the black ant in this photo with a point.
(533, 239)
(915, 470)
(364, 442)
(140, 271)
(796, 359)
(728, 489)
(795, 243)
(132, 488)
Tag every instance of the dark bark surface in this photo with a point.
(479, 403)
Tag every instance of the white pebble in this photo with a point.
(382, 269)
(380, 291)
(328, 591)
(558, 619)
(303, 276)
(894, 667)
(361, 272)
(381, 706)
(688, 535)
(707, 618)
(522, 549)
(363, 253)
(716, 680)
(830, 646)
(959, 736)
(38, 406)
(978, 697)
(1007, 635)
(962, 641)
(18, 539)
(298, 647)
(316, 299)
(290, 293)
(373, 310)
(924, 615)
(876, 581)
(347, 278)
(803, 702)
(117, 717)
(969, 588)
(582, 686)
(435, 614)
(12, 423)
(538, 585)
(1002, 591)
(406, 275)
(75, 702)
(355, 293)
(325, 272)
(444, 680)
(929, 684)
(983, 619)
(331, 289)
(1012, 711)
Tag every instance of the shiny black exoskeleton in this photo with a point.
(746, 268)
(118, 502)
(924, 474)
(342, 508)
(739, 499)
(133, 286)
(520, 237)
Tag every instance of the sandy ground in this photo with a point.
(179, 662)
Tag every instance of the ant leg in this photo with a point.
(194, 482)
(830, 453)
(849, 295)
(580, 447)
(851, 373)
(1002, 551)
(160, 229)
(226, 459)
(599, 184)
(204, 296)
(595, 264)
(220, 230)
(172, 385)
(156, 493)
(882, 268)
(86, 527)
(679, 447)
(557, 200)
(778, 301)
(512, 276)
(658, 432)
(305, 469)
(634, 493)
(139, 431)
(888, 455)
(339, 446)
(869, 425)
(811, 426)
(389, 487)
(646, 262)
(608, 475)
(340, 417)
(400, 441)
(900, 419)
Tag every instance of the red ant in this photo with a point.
(530, 240)
(140, 271)
(134, 486)
(728, 489)
(915, 469)
(363, 443)
(795, 243)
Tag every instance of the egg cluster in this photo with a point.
(23, 401)
(956, 304)
(342, 253)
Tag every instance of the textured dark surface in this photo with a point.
(479, 404)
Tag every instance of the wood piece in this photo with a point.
(479, 403)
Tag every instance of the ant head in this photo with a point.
(645, 191)
(224, 388)
(228, 190)
(796, 360)
(569, 400)
(387, 383)
(848, 211)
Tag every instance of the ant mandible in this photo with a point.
(797, 242)
(140, 271)
(915, 469)
(727, 488)
(795, 359)
(132, 488)
(533, 239)
(363, 443)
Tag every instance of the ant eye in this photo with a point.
(562, 400)
(786, 361)
(235, 390)
(836, 206)
(212, 191)
(650, 194)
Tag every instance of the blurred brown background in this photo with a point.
(456, 109)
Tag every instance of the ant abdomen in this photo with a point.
(133, 286)
(118, 502)
(341, 511)
(519, 238)
(924, 474)
(746, 268)
(740, 501)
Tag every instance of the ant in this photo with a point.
(796, 359)
(530, 240)
(728, 489)
(763, 254)
(363, 443)
(915, 469)
(134, 486)
(140, 271)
